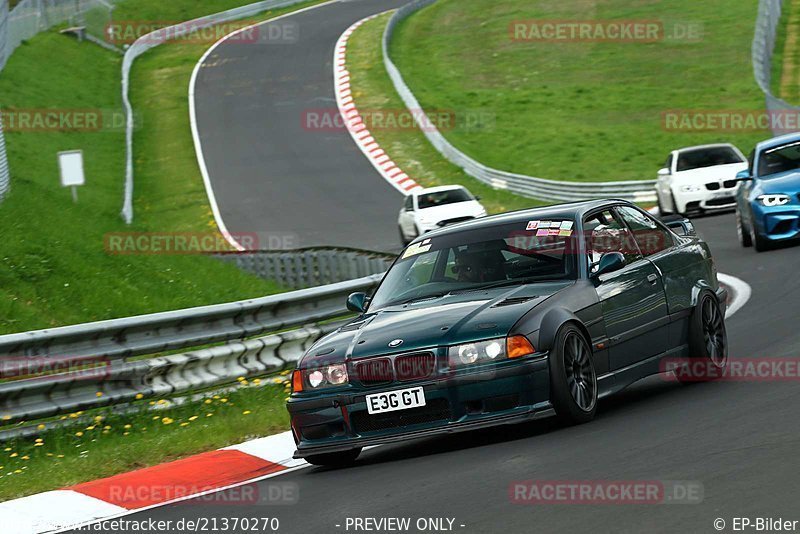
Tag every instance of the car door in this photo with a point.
(632, 299)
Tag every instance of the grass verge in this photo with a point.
(156, 432)
(373, 93)
(583, 111)
(54, 268)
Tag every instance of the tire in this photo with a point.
(661, 210)
(708, 342)
(573, 380)
(405, 241)
(335, 459)
(745, 239)
(759, 243)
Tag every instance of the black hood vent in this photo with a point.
(514, 300)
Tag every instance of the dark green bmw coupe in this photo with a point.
(509, 318)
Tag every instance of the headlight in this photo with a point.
(490, 350)
(320, 378)
(691, 188)
(773, 200)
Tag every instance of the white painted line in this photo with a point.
(740, 292)
(198, 147)
(277, 449)
(51, 510)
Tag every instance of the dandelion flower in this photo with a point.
(26, 457)
(40, 427)
(167, 421)
(240, 379)
(99, 394)
(125, 433)
(184, 424)
(192, 418)
(79, 434)
(256, 381)
(208, 401)
(223, 400)
(139, 396)
(127, 427)
(39, 440)
(38, 444)
(209, 414)
(13, 455)
(246, 412)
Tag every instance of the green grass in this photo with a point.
(579, 111)
(409, 148)
(54, 269)
(118, 443)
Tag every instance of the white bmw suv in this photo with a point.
(699, 178)
(427, 209)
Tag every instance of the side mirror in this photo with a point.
(609, 262)
(682, 227)
(357, 302)
(477, 197)
(743, 176)
(663, 172)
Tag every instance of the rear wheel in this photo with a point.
(573, 381)
(335, 459)
(744, 233)
(708, 342)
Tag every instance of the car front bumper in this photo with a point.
(777, 223)
(705, 200)
(504, 393)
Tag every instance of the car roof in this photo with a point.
(698, 147)
(777, 141)
(438, 188)
(572, 210)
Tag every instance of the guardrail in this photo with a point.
(100, 357)
(639, 190)
(155, 38)
(769, 14)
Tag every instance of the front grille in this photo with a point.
(373, 372)
(712, 186)
(414, 366)
(720, 201)
(435, 410)
(729, 183)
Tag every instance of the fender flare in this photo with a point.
(552, 321)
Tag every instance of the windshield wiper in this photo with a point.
(492, 285)
(424, 297)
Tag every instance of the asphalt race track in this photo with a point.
(738, 439)
(273, 173)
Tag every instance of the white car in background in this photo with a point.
(435, 207)
(699, 178)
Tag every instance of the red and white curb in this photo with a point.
(123, 494)
(355, 122)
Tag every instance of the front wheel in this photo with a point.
(708, 342)
(661, 210)
(759, 243)
(335, 459)
(573, 381)
(745, 239)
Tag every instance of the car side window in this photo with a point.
(604, 232)
(668, 163)
(409, 205)
(649, 235)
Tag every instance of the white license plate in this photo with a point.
(395, 400)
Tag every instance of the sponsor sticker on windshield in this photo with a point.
(564, 233)
(532, 225)
(542, 232)
(566, 225)
(417, 248)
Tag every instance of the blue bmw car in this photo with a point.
(768, 197)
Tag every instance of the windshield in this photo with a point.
(493, 256)
(779, 159)
(440, 198)
(707, 157)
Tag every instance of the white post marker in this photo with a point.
(70, 163)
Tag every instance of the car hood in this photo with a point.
(450, 211)
(709, 174)
(448, 320)
(787, 183)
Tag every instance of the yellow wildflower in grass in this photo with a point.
(79, 412)
(125, 433)
(49, 454)
(156, 418)
(39, 440)
(139, 396)
(26, 457)
(286, 372)
(90, 427)
(167, 420)
(17, 471)
(40, 427)
(106, 427)
(240, 379)
(286, 399)
(79, 434)
(208, 401)
(13, 455)
(127, 427)
(6, 418)
(215, 397)
(73, 416)
(38, 444)
(184, 424)
(105, 431)
(223, 400)
(63, 417)
(243, 383)
(161, 401)
(98, 418)
(60, 456)
(99, 394)
(256, 381)
(192, 418)
(152, 403)
(246, 412)
(7, 449)
(209, 414)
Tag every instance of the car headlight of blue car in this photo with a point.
(773, 200)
